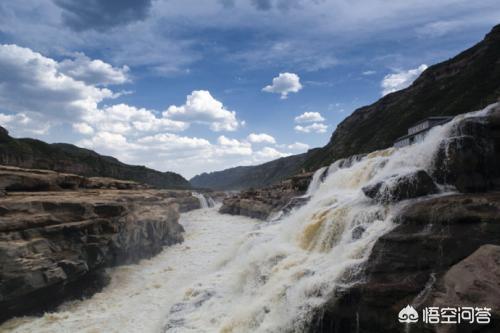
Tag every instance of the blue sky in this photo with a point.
(193, 86)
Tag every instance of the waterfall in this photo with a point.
(316, 180)
(204, 202)
(282, 271)
(210, 201)
(233, 274)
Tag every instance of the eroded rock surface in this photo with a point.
(470, 158)
(57, 240)
(261, 203)
(412, 185)
(473, 282)
(29, 180)
(432, 236)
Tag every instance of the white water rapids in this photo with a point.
(234, 274)
(140, 296)
(205, 201)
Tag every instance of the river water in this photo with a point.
(235, 274)
(140, 296)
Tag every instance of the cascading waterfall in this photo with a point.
(265, 277)
(204, 202)
(316, 180)
(211, 202)
(286, 269)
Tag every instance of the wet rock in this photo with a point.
(262, 203)
(246, 207)
(412, 185)
(470, 158)
(358, 232)
(432, 236)
(296, 203)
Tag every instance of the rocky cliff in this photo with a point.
(35, 154)
(444, 250)
(469, 81)
(59, 232)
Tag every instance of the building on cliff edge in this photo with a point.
(418, 131)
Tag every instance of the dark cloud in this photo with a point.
(262, 4)
(102, 15)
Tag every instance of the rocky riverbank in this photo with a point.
(262, 203)
(58, 233)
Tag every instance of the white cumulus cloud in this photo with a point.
(233, 147)
(174, 142)
(313, 128)
(309, 117)
(95, 72)
(32, 83)
(261, 138)
(403, 79)
(201, 107)
(123, 118)
(269, 153)
(284, 84)
(83, 128)
(25, 124)
(298, 146)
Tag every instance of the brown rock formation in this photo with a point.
(55, 245)
(18, 179)
(261, 203)
(473, 282)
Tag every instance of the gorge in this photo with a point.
(320, 263)
(338, 239)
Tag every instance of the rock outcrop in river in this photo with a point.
(59, 232)
(262, 203)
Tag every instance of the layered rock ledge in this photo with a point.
(55, 245)
(262, 203)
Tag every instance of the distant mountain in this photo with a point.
(36, 154)
(244, 177)
(467, 82)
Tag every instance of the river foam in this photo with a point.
(140, 295)
(233, 274)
